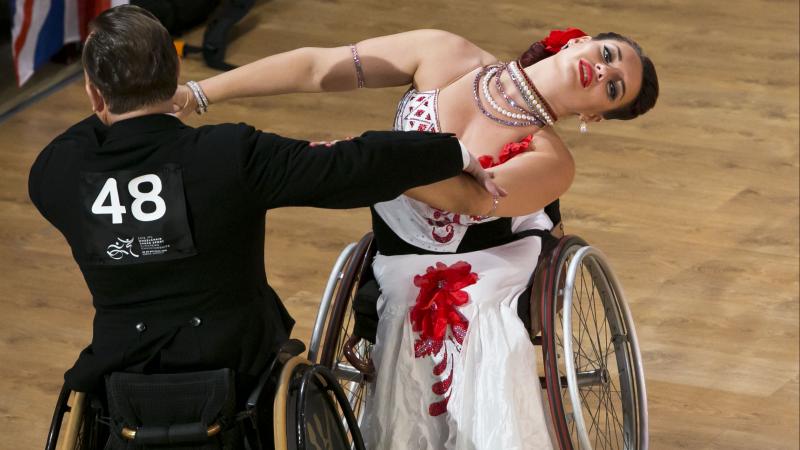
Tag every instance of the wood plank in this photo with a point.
(695, 204)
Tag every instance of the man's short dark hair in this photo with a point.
(129, 56)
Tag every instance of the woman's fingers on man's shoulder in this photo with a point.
(328, 143)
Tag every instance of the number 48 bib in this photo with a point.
(136, 217)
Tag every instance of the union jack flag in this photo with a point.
(42, 27)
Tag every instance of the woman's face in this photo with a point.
(600, 75)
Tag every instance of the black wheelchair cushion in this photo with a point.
(549, 242)
(524, 306)
(171, 410)
(365, 307)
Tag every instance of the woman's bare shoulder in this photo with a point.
(446, 58)
(547, 138)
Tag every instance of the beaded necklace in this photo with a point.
(522, 113)
(536, 92)
(538, 112)
(529, 93)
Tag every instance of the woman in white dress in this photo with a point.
(455, 368)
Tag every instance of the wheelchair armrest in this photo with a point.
(292, 347)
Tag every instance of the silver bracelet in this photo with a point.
(199, 96)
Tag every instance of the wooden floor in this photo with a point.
(696, 204)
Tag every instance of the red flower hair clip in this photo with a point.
(559, 38)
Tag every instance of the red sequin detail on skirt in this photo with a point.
(434, 313)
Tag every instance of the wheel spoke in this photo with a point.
(582, 330)
(596, 344)
(588, 408)
(604, 403)
(615, 416)
(579, 346)
(603, 339)
(583, 318)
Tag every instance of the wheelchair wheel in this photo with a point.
(593, 368)
(334, 279)
(308, 409)
(347, 356)
(74, 425)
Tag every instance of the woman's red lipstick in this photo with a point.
(586, 73)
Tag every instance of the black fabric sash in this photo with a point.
(480, 236)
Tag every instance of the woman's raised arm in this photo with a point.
(421, 56)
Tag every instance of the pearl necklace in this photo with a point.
(523, 118)
(499, 86)
(529, 92)
(495, 73)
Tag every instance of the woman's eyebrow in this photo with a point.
(619, 58)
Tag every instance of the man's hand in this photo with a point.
(483, 177)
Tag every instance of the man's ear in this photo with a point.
(95, 97)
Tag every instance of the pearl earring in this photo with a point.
(583, 128)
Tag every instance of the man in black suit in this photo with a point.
(166, 221)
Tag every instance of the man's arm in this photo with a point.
(372, 168)
(532, 181)
(86, 133)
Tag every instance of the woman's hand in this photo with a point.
(327, 143)
(183, 102)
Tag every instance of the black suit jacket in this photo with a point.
(166, 222)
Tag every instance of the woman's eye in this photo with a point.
(606, 54)
(612, 90)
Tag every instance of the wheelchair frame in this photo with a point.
(574, 390)
(288, 376)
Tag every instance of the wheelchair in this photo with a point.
(295, 405)
(573, 307)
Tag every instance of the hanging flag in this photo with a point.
(42, 27)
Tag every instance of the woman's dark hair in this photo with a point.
(129, 56)
(648, 94)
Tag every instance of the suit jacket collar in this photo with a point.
(136, 131)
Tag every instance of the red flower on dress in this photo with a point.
(509, 151)
(513, 149)
(439, 294)
(558, 38)
(486, 161)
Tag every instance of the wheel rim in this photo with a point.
(334, 279)
(604, 394)
(332, 356)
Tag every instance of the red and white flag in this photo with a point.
(42, 27)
